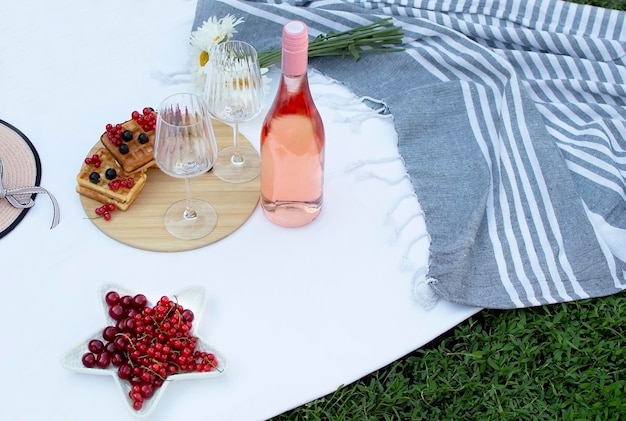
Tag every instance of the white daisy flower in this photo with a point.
(211, 32)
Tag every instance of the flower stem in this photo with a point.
(373, 38)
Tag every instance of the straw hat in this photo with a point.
(20, 175)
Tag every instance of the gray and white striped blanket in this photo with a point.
(511, 118)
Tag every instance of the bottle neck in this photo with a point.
(294, 84)
(294, 63)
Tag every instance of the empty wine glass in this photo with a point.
(185, 147)
(234, 94)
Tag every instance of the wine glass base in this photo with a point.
(227, 170)
(180, 226)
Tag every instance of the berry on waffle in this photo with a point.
(131, 143)
(101, 178)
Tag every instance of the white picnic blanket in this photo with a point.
(511, 118)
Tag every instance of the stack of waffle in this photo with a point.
(116, 172)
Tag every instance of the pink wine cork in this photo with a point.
(295, 48)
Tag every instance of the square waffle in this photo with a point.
(136, 153)
(96, 183)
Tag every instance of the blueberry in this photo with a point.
(127, 135)
(123, 148)
(94, 177)
(143, 138)
(110, 174)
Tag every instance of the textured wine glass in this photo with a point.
(234, 94)
(185, 147)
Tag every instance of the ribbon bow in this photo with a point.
(16, 197)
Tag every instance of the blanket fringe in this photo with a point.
(423, 292)
(397, 229)
(362, 163)
(352, 109)
(400, 216)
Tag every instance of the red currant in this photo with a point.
(147, 344)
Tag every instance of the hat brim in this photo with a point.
(21, 167)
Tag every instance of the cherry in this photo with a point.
(126, 301)
(140, 301)
(116, 312)
(129, 326)
(120, 342)
(132, 313)
(89, 360)
(121, 324)
(147, 390)
(112, 298)
(103, 360)
(96, 346)
(147, 344)
(124, 371)
(117, 359)
(109, 333)
(110, 348)
(188, 315)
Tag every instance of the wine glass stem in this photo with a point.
(190, 212)
(237, 157)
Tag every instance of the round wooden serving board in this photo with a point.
(141, 226)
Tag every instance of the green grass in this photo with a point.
(609, 4)
(558, 362)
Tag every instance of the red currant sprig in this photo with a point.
(147, 344)
(114, 133)
(93, 160)
(147, 120)
(121, 183)
(105, 211)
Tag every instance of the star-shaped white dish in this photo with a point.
(192, 299)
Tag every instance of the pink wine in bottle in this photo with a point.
(292, 140)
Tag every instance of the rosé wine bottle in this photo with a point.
(292, 140)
